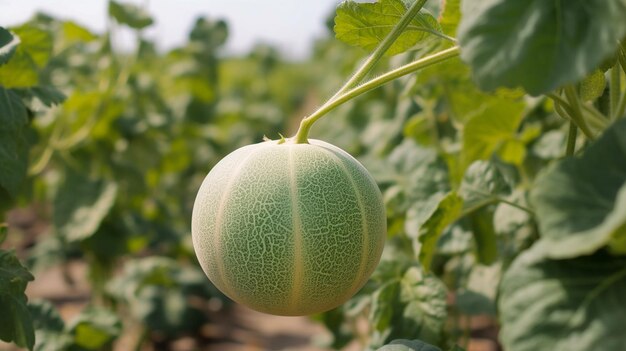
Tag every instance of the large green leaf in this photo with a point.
(581, 202)
(450, 16)
(8, 43)
(563, 305)
(366, 24)
(413, 306)
(130, 15)
(14, 145)
(536, 44)
(17, 324)
(81, 204)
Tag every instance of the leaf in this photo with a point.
(538, 45)
(488, 130)
(50, 332)
(94, 328)
(427, 220)
(450, 16)
(366, 24)
(17, 324)
(33, 53)
(573, 304)
(4, 231)
(482, 183)
(130, 15)
(81, 204)
(14, 145)
(592, 87)
(413, 306)
(75, 33)
(8, 43)
(581, 202)
(408, 345)
(44, 95)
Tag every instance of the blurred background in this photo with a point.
(136, 101)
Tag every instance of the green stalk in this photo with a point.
(571, 139)
(615, 90)
(305, 125)
(577, 116)
(382, 48)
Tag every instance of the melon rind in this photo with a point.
(289, 229)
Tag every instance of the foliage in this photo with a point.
(511, 197)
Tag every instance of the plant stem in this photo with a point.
(571, 139)
(384, 45)
(305, 125)
(576, 112)
(615, 90)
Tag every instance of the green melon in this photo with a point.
(289, 229)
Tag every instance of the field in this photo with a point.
(493, 133)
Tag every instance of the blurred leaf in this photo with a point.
(366, 24)
(50, 332)
(562, 42)
(211, 34)
(426, 221)
(581, 202)
(157, 290)
(4, 231)
(592, 86)
(573, 304)
(512, 151)
(129, 14)
(36, 42)
(32, 54)
(550, 145)
(8, 43)
(80, 205)
(473, 303)
(483, 183)
(75, 33)
(408, 345)
(45, 95)
(450, 17)
(17, 323)
(94, 328)
(484, 235)
(413, 306)
(14, 146)
(487, 131)
(454, 240)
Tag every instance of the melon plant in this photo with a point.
(289, 228)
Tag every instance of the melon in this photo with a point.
(289, 229)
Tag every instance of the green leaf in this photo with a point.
(366, 24)
(413, 306)
(538, 45)
(450, 16)
(408, 345)
(17, 323)
(581, 202)
(44, 95)
(426, 221)
(33, 53)
(487, 131)
(14, 146)
(592, 87)
(75, 33)
(130, 15)
(573, 304)
(94, 328)
(81, 204)
(483, 183)
(50, 332)
(8, 43)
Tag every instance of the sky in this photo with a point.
(290, 25)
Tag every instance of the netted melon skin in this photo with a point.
(289, 229)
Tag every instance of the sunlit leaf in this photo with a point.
(366, 24)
